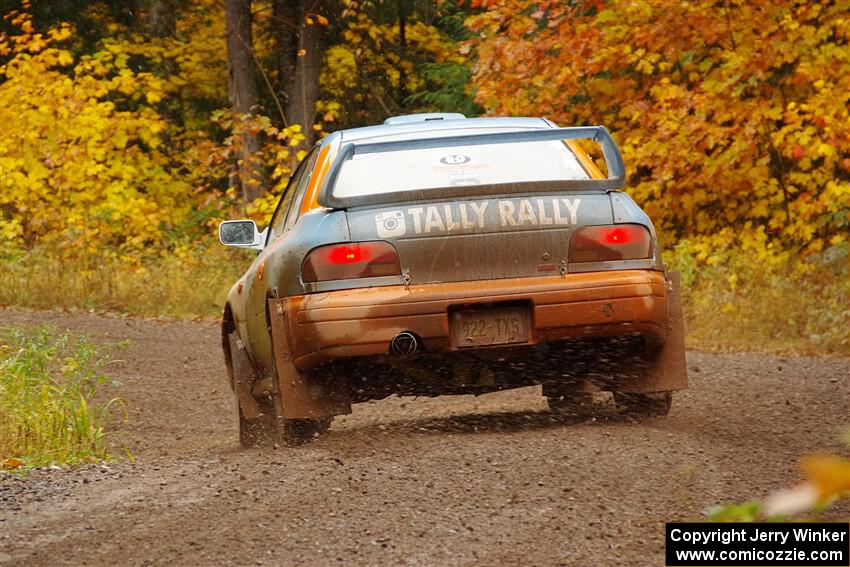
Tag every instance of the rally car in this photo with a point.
(438, 254)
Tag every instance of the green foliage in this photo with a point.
(447, 89)
(370, 72)
(49, 409)
(448, 83)
(745, 512)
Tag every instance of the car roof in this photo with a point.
(446, 127)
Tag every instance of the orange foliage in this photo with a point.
(732, 117)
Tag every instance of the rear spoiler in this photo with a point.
(599, 134)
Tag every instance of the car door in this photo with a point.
(282, 222)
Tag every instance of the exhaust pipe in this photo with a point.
(404, 344)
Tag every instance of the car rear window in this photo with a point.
(456, 166)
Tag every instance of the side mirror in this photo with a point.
(241, 234)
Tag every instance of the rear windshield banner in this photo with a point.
(480, 216)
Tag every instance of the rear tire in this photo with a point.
(652, 404)
(260, 431)
(266, 431)
(568, 401)
(300, 431)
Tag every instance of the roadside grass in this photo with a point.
(189, 284)
(734, 302)
(743, 304)
(50, 410)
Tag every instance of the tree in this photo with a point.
(81, 159)
(249, 175)
(732, 116)
(385, 55)
(162, 17)
(285, 32)
(299, 40)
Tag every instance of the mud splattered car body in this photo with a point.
(436, 254)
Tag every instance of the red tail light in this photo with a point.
(350, 261)
(606, 243)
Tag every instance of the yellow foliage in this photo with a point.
(59, 164)
(830, 474)
(743, 291)
(92, 160)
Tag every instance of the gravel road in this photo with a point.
(452, 481)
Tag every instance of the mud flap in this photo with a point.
(242, 377)
(667, 368)
(299, 395)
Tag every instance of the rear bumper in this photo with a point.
(341, 324)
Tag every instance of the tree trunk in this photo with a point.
(161, 22)
(285, 27)
(304, 87)
(243, 97)
(402, 48)
(162, 17)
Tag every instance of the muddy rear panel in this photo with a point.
(486, 238)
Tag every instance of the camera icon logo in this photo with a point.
(390, 224)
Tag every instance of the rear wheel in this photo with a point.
(567, 401)
(266, 430)
(260, 431)
(651, 404)
(301, 431)
(298, 431)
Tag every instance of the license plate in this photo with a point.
(493, 326)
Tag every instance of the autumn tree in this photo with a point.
(81, 166)
(121, 126)
(383, 56)
(299, 29)
(243, 96)
(162, 17)
(104, 152)
(732, 116)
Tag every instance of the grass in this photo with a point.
(743, 304)
(50, 413)
(189, 286)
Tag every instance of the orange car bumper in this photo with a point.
(362, 322)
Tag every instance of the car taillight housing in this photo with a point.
(607, 243)
(350, 260)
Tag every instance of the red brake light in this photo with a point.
(607, 243)
(350, 261)
(347, 254)
(616, 236)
